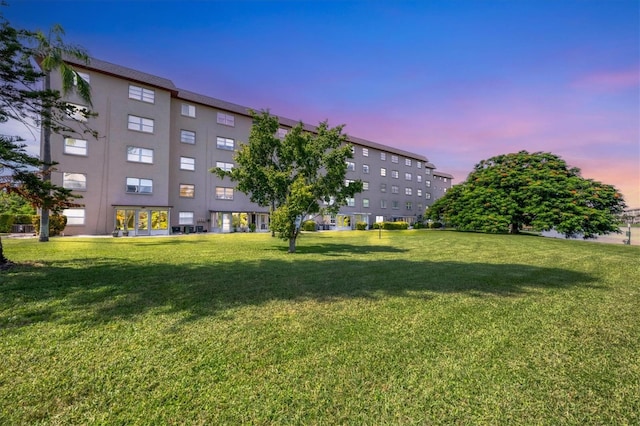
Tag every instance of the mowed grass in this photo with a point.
(416, 327)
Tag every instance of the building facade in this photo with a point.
(147, 173)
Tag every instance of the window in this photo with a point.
(383, 204)
(408, 205)
(75, 146)
(74, 181)
(74, 216)
(187, 136)
(408, 176)
(188, 110)
(419, 178)
(226, 119)
(428, 183)
(420, 207)
(351, 202)
(395, 189)
(394, 158)
(187, 163)
(365, 152)
(365, 168)
(408, 191)
(225, 143)
(77, 112)
(395, 174)
(383, 171)
(383, 156)
(365, 202)
(407, 162)
(348, 182)
(419, 192)
(139, 186)
(427, 196)
(383, 187)
(445, 189)
(140, 124)
(419, 164)
(427, 171)
(187, 190)
(224, 166)
(223, 193)
(351, 166)
(395, 205)
(445, 179)
(83, 75)
(282, 133)
(185, 218)
(365, 185)
(139, 155)
(141, 94)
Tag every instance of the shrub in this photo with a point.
(23, 219)
(309, 225)
(6, 220)
(435, 225)
(361, 226)
(398, 225)
(391, 225)
(57, 224)
(418, 225)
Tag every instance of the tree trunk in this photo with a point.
(3, 259)
(514, 228)
(273, 207)
(46, 160)
(292, 245)
(4, 262)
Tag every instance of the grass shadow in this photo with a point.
(114, 288)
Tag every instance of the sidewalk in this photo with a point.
(607, 239)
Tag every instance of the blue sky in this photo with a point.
(456, 81)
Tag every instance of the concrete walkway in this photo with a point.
(608, 239)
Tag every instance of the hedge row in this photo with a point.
(7, 220)
(391, 225)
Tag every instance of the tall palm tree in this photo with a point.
(50, 53)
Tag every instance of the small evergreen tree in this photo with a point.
(22, 99)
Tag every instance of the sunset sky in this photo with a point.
(456, 81)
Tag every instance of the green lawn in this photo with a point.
(418, 327)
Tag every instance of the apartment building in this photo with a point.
(148, 171)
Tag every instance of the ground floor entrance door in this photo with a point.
(142, 221)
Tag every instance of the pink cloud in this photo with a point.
(610, 81)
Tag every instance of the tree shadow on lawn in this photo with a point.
(330, 249)
(116, 288)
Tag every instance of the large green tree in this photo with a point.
(11, 203)
(507, 192)
(300, 174)
(23, 98)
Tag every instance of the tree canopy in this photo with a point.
(300, 174)
(506, 192)
(23, 98)
(50, 51)
(11, 203)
